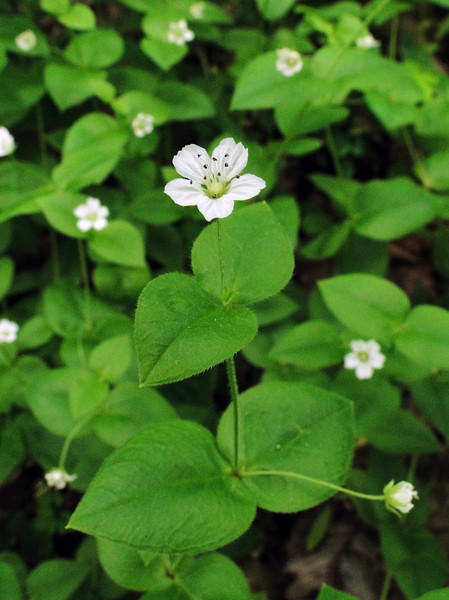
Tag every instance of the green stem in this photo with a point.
(220, 256)
(386, 586)
(54, 254)
(85, 280)
(333, 152)
(233, 388)
(392, 50)
(319, 482)
(420, 169)
(41, 136)
(70, 437)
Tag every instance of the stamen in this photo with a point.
(191, 182)
(213, 158)
(205, 178)
(226, 164)
(237, 176)
(205, 166)
(226, 155)
(219, 174)
(199, 155)
(214, 195)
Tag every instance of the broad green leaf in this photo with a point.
(362, 255)
(22, 88)
(182, 331)
(70, 85)
(342, 190)
(386, 210)
(327, 243)
(168, 489)
(391, 113)
(65, 577)
(328, 593)
(274, 309)
(6, 274)
(20, 186)
(132, 103)
(127, 410)
(34, 333)
(256, 255)
(425, 336)
(370, 306)
(303, 146)
(273, 10)
(110, 359)
(58, 209)
(286, 211)
(164, 54)
(92, 148)
(204, 578)
(87, 393)
(120, 283)
(431, 396)
(55, 7)
(310, 345)
(436, 168)
(415, 557)
(79, 17)
(300, 116)
(96, 49)
(153, 206)
(435, 594)
(12, 453)
(10, 588)
(120, 243)
(186, 101)
(306, 431)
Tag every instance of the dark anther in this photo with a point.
(205, 166)
(199, 155)
(237, 176)
(226, 165)
(219, 174)
(214, 195)
(190, 182)
(226, 155)
(213, 158)
(205, 178)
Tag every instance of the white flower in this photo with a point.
(58, 478)
(289, 61)
(197, 10)
(142, 124)
(26, 40)
(399, 497)
(8, 331)
(7, 143)
(91, 215)
(213, 183)
(367, 41)
(179, 34)
(364, 358)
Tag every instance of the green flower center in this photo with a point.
(363, 356)
(216, 189)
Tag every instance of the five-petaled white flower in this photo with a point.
(91, 215)
(399, 497)
(197, 10)
(7, 143)
(213, 183)
(26, 40)
(289, 61)
(8, 331)
(364, 358)
(179, 33)
(142, 124)
(367, 41)
(58, 478)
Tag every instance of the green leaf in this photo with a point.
(310, 345)
(20, 186)
(34, 333)
(436, 168)
(298, 116)
(186, 101)
(130, 409)
(132, 103)
(273, 10)
(392, 113)
(415, 557)
(431, 396)
(120, 243)
(70, 85)
(79, 17)
(167, 489)
(22, 88)
(164, 54)
(182, 331)
(435, 594)
(328, 593)
(6, 275)
(96, 49)
(368, 305)
(55, 7)
(58, 209)
(110, 359)
(306, 431)
(92, 148)
(425, 337)
(87, 393)
(65, 576)
(386, 210)
(9, 584)
(12, 454)
(327, 243)
(256, 255)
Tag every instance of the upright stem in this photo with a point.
(420, 169)
(333, 151)
(232, 378)
(386, 586)
(85, 280)
(220, 257)
(70, 437)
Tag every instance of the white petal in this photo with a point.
(81, 211)
(190, 161)
(184, 193)
(103, 211)
(93, 204)
(364, 371)
(237, 159)
(84, 225)
(218, 208)
(351, 360)
(99, 224)
(372, 346)
(358, 346)
(377, 360)
(245, 187)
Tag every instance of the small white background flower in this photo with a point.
(289, 61)
(367, 41)
(58, 479)
(179, 33)
(26, 40)
(197, 10)
(400, 496)
(7, 143)
(8, 331)
(213, 183)
(364, 358)
(91, 215)
(142, 124)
